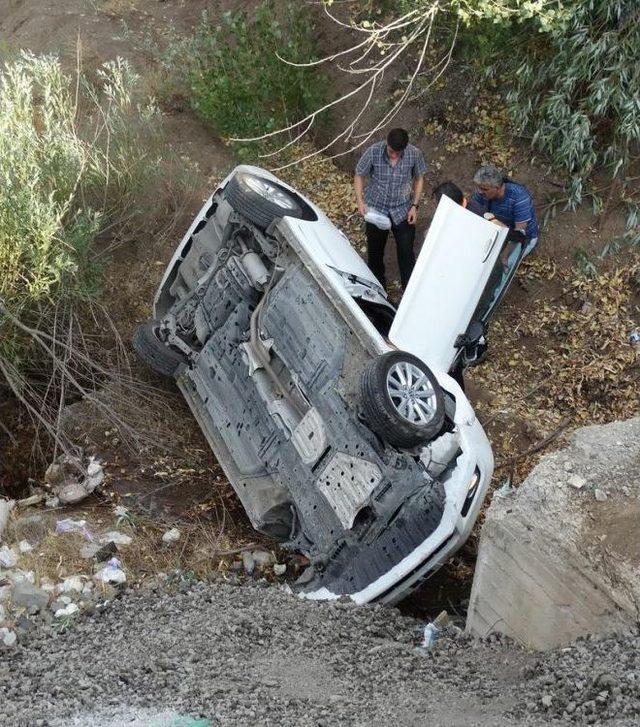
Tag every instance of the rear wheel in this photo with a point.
(261, 200)
(154, 352)
(402, 400)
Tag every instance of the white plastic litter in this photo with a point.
(68, 525)
(8, 557)
(377, 218)
(8, 637)
(505, 489)
(5, 508)
(68, 610)
(111, 573)
(171, 536)
(24, 546)
(72, 583)
(70, 481)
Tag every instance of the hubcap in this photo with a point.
(411, 393)
(270, 192)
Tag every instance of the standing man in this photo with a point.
(395, 170)
(500, 199)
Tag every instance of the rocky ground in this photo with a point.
(199, 654)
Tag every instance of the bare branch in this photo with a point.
(382, 47)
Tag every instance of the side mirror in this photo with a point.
(474, 333)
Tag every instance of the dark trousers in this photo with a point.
(404, 235)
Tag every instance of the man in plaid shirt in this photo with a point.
(395, 170)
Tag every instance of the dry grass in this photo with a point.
(202, 550)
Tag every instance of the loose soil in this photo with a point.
(256, 655)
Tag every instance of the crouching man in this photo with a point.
(395, 171)
(500, 199)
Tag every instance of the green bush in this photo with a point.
(73, 162)
(577, 88)
(236, 80)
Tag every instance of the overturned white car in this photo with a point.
(333, 415)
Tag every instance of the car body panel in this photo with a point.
(288, 430)
(452, 270)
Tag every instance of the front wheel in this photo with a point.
(261, 200)
(401, 400)
(154, 352)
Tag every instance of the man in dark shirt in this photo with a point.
(395, 170)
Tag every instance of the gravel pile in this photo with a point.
(593, 681)
(209, 654)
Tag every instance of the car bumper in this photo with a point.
(454, 528)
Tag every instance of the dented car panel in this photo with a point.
(275, 323)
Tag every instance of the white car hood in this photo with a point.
(451, 273)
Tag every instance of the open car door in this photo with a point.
(451, 273)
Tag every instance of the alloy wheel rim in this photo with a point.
(270, 192)
(411, 393)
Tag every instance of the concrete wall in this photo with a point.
(560, 557)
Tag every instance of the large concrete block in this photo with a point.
(560, 557)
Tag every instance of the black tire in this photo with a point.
(380, 411)
(257, 208)
(158, 356)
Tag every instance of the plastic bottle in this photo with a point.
(433, 629)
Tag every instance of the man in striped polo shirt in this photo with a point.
(497, 197)
(395, 170)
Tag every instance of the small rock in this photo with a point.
(546, 700)
(18, 576)
(24, 625)
(102, 555)
(577, 481)
(262, 557)
(24, 546)
(171, 536)
(607, 680)
(90, 549)
(72, 583)
(29, 596)
(8, 557)
(54, 474)
(58, 605)
(5, 592)
(600, 495)
(280, 569)
(116, 537)
(67, 611)
(568, 466)
(72, 492)
(52, 502)
(248, 562)
(8, 637)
